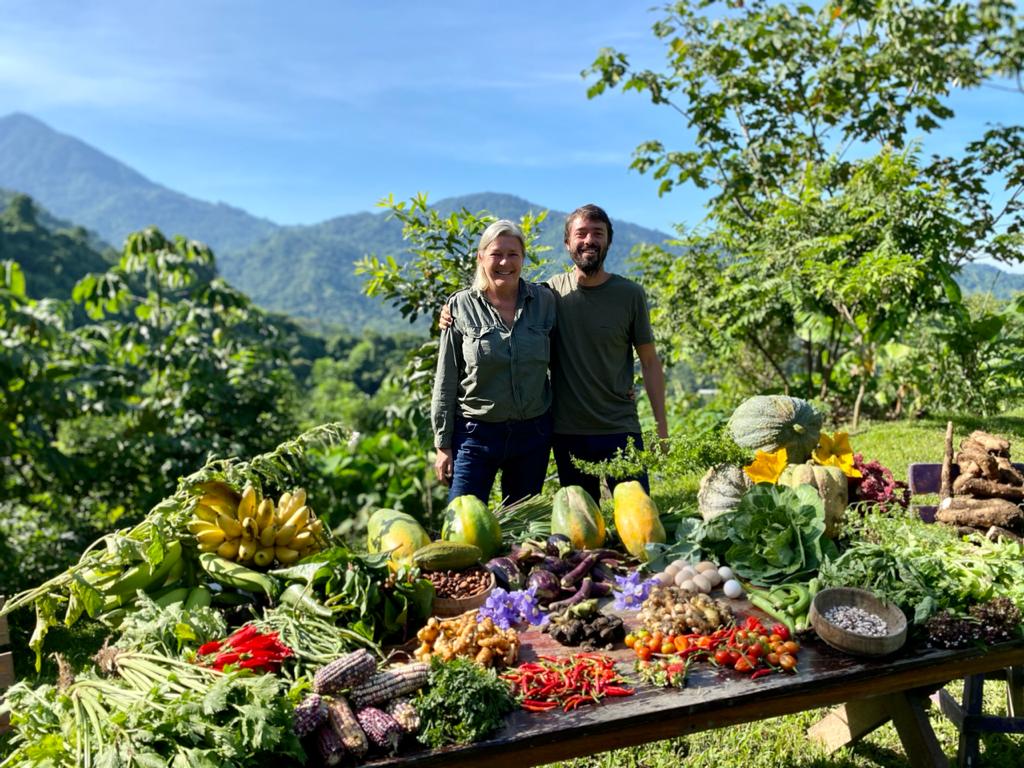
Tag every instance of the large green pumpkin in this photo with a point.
(396, 532)
(576, 515)
(469, 521)
(769, 422)
(721, 490)
(831, 484)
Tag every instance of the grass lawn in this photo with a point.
(781, 741)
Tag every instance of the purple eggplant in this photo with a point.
(546, 583)
(506, 573)
(581, 594)
(556, 565)
(572, 578)
(527, 554)
(557, 545)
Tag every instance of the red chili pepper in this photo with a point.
(615, 690)
(207, 648)
(538, 706)
(761, 673)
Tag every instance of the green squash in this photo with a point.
(467, 520)
(721, 490)
(389, 530)
(831, 485)
(769, 422)
(576, 515)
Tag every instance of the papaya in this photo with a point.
(396, 532)
(576, 515)
(467, 520)
(636, 518)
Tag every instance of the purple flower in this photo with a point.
(509, 609)
(630, 591)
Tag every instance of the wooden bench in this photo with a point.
(6, 664)
(967, 714)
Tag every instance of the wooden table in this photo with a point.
(873, 691)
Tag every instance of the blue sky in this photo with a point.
(307, 110)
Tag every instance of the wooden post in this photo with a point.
(945, 483)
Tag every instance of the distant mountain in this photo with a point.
(53, 254)
(986, 278)
(307, 271)
(77, 182)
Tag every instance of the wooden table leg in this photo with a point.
(1015, 691)
(854, 720)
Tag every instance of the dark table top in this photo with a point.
(713, 697)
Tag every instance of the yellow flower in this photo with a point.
(767, 467)
(835, 451)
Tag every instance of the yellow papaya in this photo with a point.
(636, 518)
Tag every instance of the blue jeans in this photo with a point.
(592, 448)
(520, 449)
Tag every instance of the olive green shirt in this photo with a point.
(487, 371)
(593, 364)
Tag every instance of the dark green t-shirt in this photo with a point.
(592, 361)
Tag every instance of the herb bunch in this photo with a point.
(463, 703)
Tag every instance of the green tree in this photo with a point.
(799, 117)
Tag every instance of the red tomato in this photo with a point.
(755, 651)
(722, 657)
(742, 665)
(643, 652)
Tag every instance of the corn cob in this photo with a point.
(380, 728)
(344, 672)
(390, 684)
(405, 714)
(344, 723)
(331, 750)
(309, 715)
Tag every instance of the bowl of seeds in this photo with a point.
(458, 591)
(856, 622)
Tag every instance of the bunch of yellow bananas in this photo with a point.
(251, 530)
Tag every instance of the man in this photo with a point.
(602, 320)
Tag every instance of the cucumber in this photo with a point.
(446, 555)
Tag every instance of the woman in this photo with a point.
(492, 395)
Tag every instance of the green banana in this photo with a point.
(172, 596)
(232, 574)
(199, 597)
(144, 575)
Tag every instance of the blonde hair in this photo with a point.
(492, 233)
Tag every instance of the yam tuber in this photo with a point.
(989, 442)
(981, 488)
(977, 464)
(979, 513)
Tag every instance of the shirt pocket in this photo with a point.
(479, 344)
(535, 346)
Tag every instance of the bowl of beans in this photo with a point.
(856, 622)
(459, 591)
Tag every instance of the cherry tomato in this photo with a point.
(643, 652)
(734, 654)
(772, 658)
(642, 632)
(740, 637)
(722, 657)
(682, 643)
(755, 651)
(773, 639)
(630, 640)
(668, 648)
(762, 639)
(654, 642)
(787, 661)
(791, 646)
(742, 665)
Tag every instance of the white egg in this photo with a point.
(725, 572)
(665, 578)
(681, 577)
(688, 570)
(671, 569)
(688, 585)
(733, 589)
(702, 583)
(712, 576)
(706, 565)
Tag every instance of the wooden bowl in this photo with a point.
(852, 642)
(445, 607)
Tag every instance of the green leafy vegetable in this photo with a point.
(151, 628)
(463, 702)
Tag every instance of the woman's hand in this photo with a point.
(444, 465)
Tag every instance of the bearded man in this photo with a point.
(602, 320)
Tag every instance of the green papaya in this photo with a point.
(396, 532)
(576, 515)
(468, 521)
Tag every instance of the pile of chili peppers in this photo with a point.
(246, 648)
(566, 682)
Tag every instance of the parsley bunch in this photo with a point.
(463, 702)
